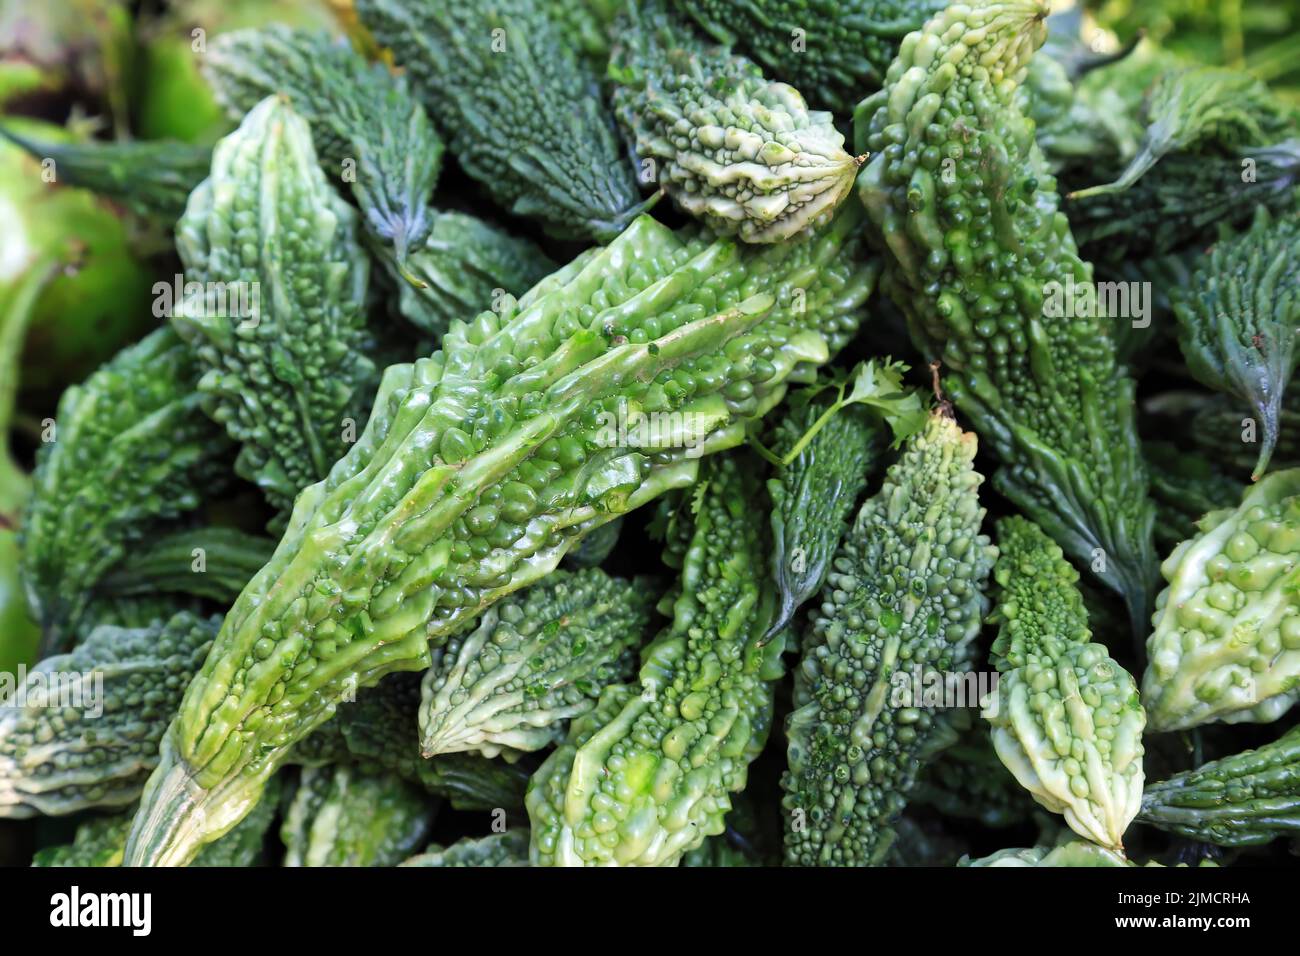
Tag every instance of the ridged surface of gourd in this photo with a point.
(342, 816)
(1186, 486)
(962, 198)
(463, 267)
(835, 51)
(214, 563)
(520, 105)
(1078, 853)
(1226, 638)
(482, 465)
(284, 375)
(369, 130)
(1237, 321)
(131, 448)
(1241, 800)
(1066, 719)
(84, 727)
(498, 849)
(732, 148)
(648, 774)
(536, 660)
(904, 593)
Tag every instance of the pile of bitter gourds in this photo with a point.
(571, 409)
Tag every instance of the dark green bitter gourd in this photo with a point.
(498, 849)
(343, 816)
(481, 466)
(648, 774)
(967, 781)
(214, 563)
(961, 197)
(835, 51)
(369, 129)
(285, 373)
(1186, 486)
(82, 729)
(129, 449)
(1237, 321)
(520, 105)
(903, 599)
(1245, 799)
(536, 660)
(741, 153)
(1065, 718)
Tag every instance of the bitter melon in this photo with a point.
(480, 467)
(963, 200)
(1065, 717)
(901, 604)
(498, 849)
(520, 105)
(214, 563)
(1226, 638)
(536, 660)
(740, 152)
(81, 729)
(368, 128)
(648, 774)
(1186, 487)
(129, 448)
(285, 373)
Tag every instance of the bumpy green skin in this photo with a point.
(1237, 321)
(138, 611)
(520, 106)
(462, 268)
(131, 449)
(1246, 799)
(98, 750)
(1065, 717)
(341, 816)
(1078, 853)
(835, 51)
(649, 773)
(214, 563)
(535, 661)
(368, 128)
(967, 781)
(378, 733)
(741, 153)
(286, 379)
(1182, 202)
(905, 592)
(1186, 487)
(595, 547)
(498, 849)
(98, 842)
(1226, 638)
(814, 495)
(481, 466)
(962, 198)
(151, 178)
(1079, 124)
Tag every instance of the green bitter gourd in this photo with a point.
(536, 660)
(903, 601)
(481, 466)
(213, 563)
(509, 848)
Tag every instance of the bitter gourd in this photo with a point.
(535, 660)
(1076, 853)
(648, 774)
(481, 466)
(520, 105)
(498, 849)
(462, 268)
(1065, 717)
(1226, 638)
(1237, 321)
(836, 51)
(130, 449)
(962, 198)
(214, 563)
(595, 547)
(968, 781)
(82, 729)
(1186, 487)
(1217, 428)
(285, 376)
(378, 732)
(340, 816)
(151, 178)
(367, 126)
(740, 152)
(1245, 799)
(98, 842)
(902, 602)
